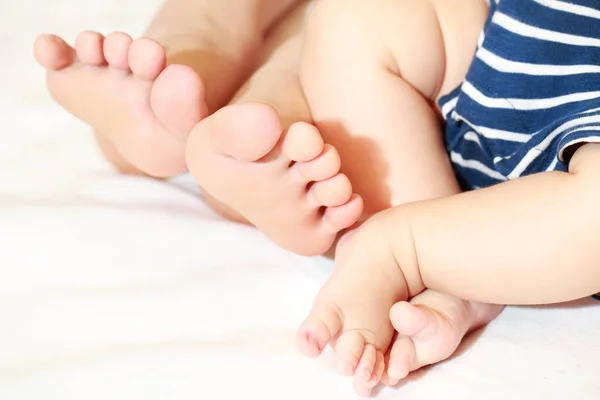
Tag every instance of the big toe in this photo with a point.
(247, 131)
(52, 52)
(409, 319)
(436, 328)
(322, 325)
(178, 99)
(425, 337)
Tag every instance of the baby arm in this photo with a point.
(533, 240)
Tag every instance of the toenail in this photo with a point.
(313, 342)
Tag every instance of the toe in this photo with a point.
(408, 319)
(116, 50)
(177, 99)
(378, 371)
(324, 166)
(432, 321)
(318, 329)
(366, 364)
(247, 132)
(402, 357)
(332, 192)
(53, 53)
(425, 337)
(349, 348)
(146, 58)
(369, 370)
(344, 216)
(89, 47)
(432, 326)
(302, 142)
(310, 342)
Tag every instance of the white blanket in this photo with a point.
(115, 287)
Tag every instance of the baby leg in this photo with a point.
(265, 164)
(370, 87)
(141, 109)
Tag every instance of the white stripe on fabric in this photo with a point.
(449, 107)
(552, 166)
(535, 152)
(514, 67)
(570, 8)
(523, 29)
(526, 104)
(476, 165)
(587, 139)
(498, 134)
(472, 137)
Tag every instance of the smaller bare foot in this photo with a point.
(430, 329)
(125, 91)
(285, 182)
(351, 311)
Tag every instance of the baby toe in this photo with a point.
(321, 326)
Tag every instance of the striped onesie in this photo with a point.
(532, 92)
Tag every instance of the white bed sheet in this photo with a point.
(125, 288)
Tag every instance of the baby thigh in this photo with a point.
(371, 72)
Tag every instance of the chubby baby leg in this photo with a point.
(370, 87)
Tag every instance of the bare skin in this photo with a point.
(143, 111)
(438, 326)
(276, 178)
(385, 120)
(276, 172)
(283, 160)
(435, 244)
(139, 108)
(212, 46)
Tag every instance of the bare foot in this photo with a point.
(286, 183)
(430, 329)
(353, 309)
(124, 90)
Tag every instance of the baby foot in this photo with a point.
(286, 183)
(430, 329)
(124, 90)
(351, 312)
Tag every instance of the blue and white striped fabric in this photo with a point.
(532, 91)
